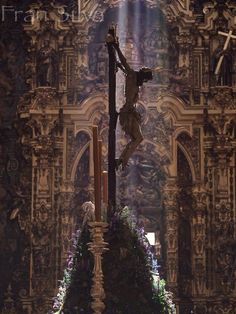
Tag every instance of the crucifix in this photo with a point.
(228, 37)
(129, 117)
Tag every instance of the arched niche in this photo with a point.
(184, 122)
(182, 136)
(184, 197)
(80, 176)
(82, 142)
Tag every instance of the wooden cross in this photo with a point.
(112, 122)
(229, 36)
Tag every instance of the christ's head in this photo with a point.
(144, 75)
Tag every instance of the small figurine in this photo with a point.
(88, 209)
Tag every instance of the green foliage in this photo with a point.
(131, 280)
(127, 276)
(77, 298)
(164, 297)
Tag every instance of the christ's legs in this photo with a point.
(136, 138)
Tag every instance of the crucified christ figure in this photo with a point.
(130, 118)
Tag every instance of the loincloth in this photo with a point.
(128, 117)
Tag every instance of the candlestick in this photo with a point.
(97, 247)
(97, 174)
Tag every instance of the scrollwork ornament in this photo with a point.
(185, 41)
(223, 97)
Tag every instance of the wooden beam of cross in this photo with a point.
(112, 122)
(229, 36)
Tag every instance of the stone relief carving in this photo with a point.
(199, 239)
(226, 308)
(170, 191)
(42, 229)
(225, 267)
(156, 124)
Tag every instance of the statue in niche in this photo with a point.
(46, 65)
(224, 78)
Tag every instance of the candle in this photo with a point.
(100, 170)
(105, 187)
(97, 175)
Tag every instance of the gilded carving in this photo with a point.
(66, 63)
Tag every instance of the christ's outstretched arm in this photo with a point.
(121, 57)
